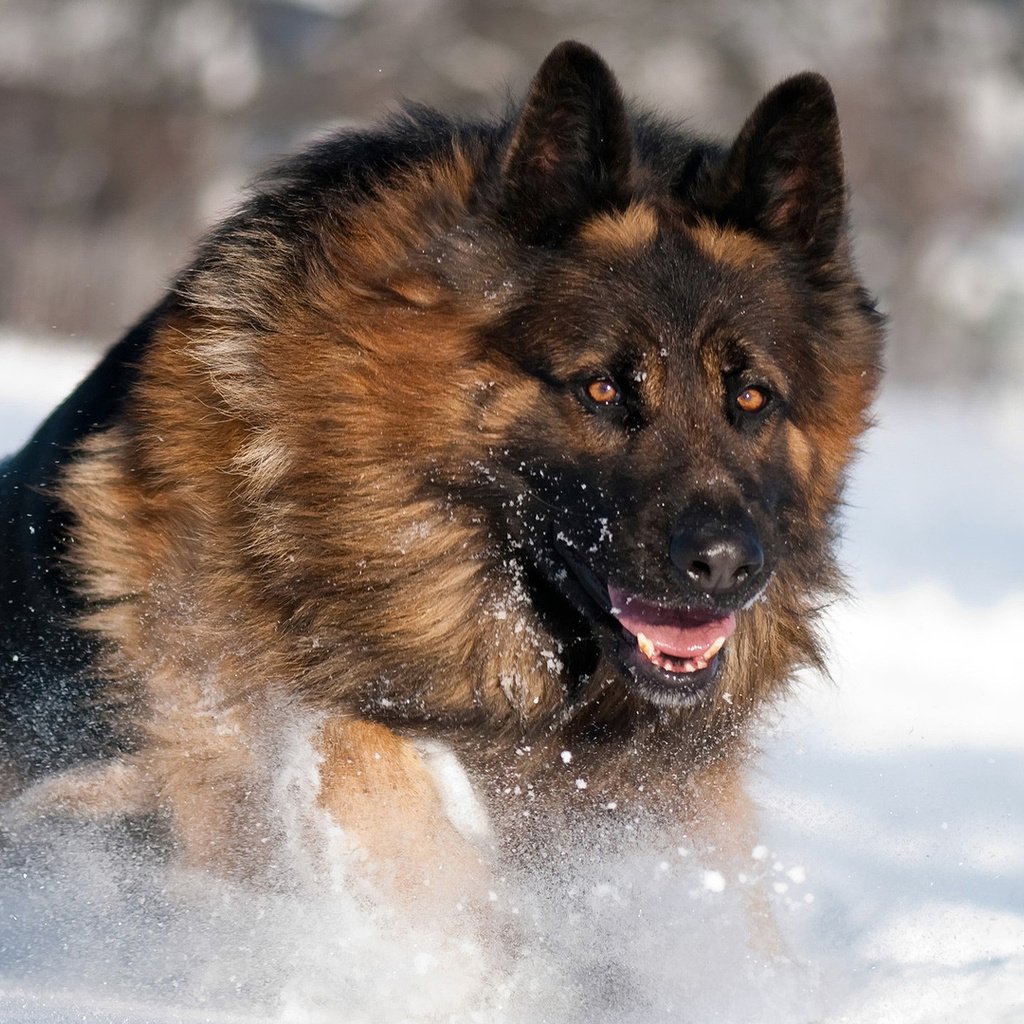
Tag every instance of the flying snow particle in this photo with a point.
(714, 881)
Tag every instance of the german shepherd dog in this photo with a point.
(519, 440)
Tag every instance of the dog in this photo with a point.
(520, 441)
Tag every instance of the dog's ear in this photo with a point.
(570, 151)
(783, 177)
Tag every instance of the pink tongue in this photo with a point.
(674, 631)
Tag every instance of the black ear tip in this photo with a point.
(808, 91)
(813, 82)
(570, 49)
(571, 54)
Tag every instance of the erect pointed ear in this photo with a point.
(571, 148)
(783, 177)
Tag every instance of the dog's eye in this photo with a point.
(752, 399)
(602, 391)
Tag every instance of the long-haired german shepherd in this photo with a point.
(525, 437)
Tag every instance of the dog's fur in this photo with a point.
(353, 466)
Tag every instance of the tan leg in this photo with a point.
(725, 829)
(379, 789)
(101, 789)
(216, 829)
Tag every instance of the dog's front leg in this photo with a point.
(381, 790)
(725, 828)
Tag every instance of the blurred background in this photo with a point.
(128, 127)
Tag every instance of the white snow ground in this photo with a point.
(893, 822)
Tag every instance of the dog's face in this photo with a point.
(650, 480)
(665, 436)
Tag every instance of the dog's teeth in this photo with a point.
(700, 663)
(714, 649)
(646, 646)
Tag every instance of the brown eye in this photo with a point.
(602, 391)
(752, 399)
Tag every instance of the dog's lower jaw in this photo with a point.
(669, 689)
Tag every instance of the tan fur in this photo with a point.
(170, 526)
(619, 232)
(378, 788)
(725, 830)
(100, 790)
(800, 452)
(728, 246)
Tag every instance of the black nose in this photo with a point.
(717, 557)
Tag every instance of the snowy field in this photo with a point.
(893, 822)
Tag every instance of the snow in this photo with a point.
(892, 828)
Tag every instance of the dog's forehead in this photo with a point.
(648, 287)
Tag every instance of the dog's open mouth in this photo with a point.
(674, 652)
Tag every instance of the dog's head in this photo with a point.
(682, 377)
